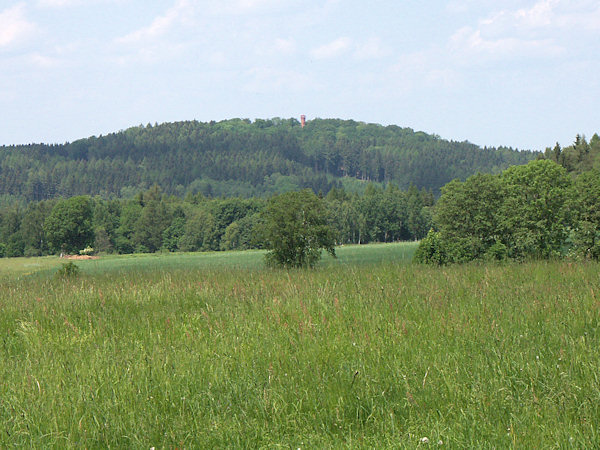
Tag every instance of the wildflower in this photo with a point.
(425, 440)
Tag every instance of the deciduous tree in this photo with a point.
(69, 226)
(297, 230)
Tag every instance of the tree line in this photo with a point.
(153, 221)
(548, 208)
(243, 158)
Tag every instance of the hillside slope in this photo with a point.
(245, 158)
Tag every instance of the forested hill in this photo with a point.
(243, 158)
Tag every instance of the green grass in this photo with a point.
(356, 255)
(366, 351)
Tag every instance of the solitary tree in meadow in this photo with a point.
(296, 230)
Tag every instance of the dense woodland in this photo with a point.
(210, 184)
(240, 158)
(153, 221)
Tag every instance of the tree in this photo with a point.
(69, 226)
(130, 213)
(32, 227)
(585, 207)
(200, 232)
(467, 215)
(296, 230)
(152, 222)
(522, 213)
(535, 211)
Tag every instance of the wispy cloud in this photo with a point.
(58, 3)
(43, 61)
(240, 7)
(14, 26)
(70, 3)
(161, 25)
(332, 49)
(528, 31)
(372, 48)
(472, 42)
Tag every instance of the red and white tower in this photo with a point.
(303, 120)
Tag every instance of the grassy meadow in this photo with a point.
(367, 351)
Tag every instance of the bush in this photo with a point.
(432, 250)
(68, 270)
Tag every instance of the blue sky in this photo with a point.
(524, 74)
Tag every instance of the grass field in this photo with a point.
(215, 351)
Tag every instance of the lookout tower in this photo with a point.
(303, 120)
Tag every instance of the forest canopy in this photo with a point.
(243, 158)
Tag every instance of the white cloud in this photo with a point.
(252, 4)
(14, 26)
(332, 49)
(371, 49)
(544, 17)
(470, 42)
(539, 15)
(58, 3)
(239, 7)
(161, 25)
(69, 3)
(43, 61)
(529, 31)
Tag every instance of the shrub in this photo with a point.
(68, 270)
(431, 249)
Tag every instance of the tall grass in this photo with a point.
(367, 355)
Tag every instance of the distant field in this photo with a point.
(213, 350)
(400, 253)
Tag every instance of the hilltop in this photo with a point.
(239, 157)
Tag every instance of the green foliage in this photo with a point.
(468, 214)
(432, 250)
(152, 222)
(535, 210)
(68, 227)
(585, 208)
(497, 252)
(68, 270)
(296, 230)
(522, 213)
(200, 232)
(579, 157)
(234, 158)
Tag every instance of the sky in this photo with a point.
(524, 74)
